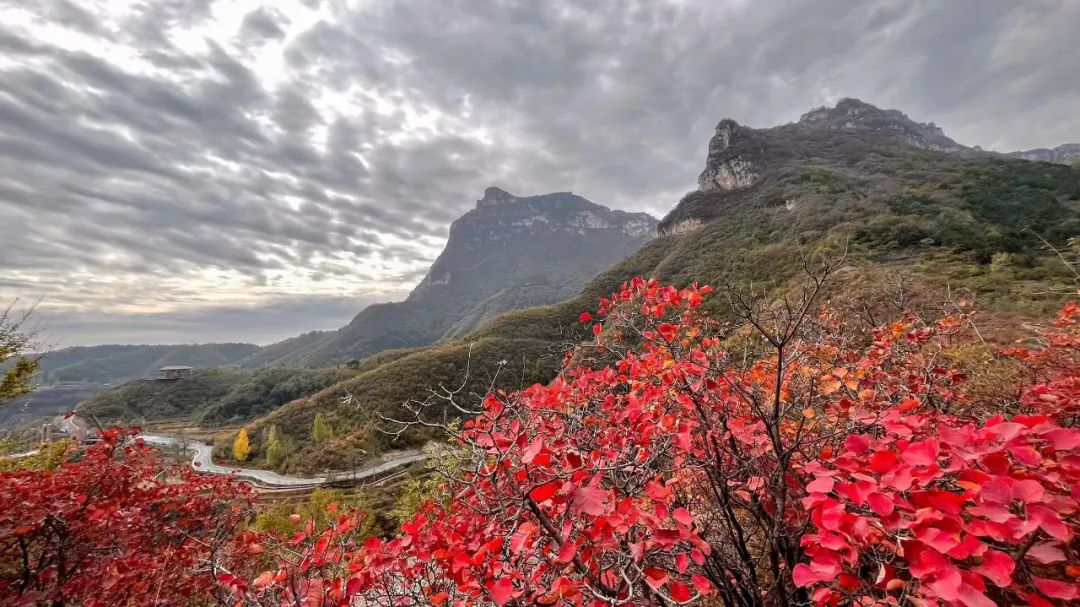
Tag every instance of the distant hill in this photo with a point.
(70, 375)
(210, 397)
(113, 363)
(900, 197)
(508, 253)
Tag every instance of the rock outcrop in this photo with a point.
(1063, 154)
(855, 115)
(736, 158)
(494, 196)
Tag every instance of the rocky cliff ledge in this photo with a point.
(855, 115)
(736, 158)
(494, 196)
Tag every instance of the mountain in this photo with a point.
(919, 217)
(507, 253)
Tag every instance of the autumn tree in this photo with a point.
(113, 526)
(321, 430)
(16, 341)
(665, 466)
(278, 447)
(241, 449)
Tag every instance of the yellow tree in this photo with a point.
(240, 447)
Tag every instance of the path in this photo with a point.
(203, 462)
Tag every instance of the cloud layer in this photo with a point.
(185, 159)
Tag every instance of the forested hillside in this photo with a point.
(930, 223)
(210, 397)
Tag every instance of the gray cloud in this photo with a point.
(175, 162)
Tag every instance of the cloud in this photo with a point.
(194, 156)
(263, 24)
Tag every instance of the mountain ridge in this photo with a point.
(506, 253)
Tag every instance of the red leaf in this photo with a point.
(597, 329)
(543, 493)
(501, 591)
(997, 567)
(656, 577)
(1055, 589)
(585, 317)
(567, 551)
(823, 484)
(682, 515)
(1046, 553)
(881, 504)
(921, 454)
(680, 592)
(590, 500)
(883, 461)
(701, 584)
(532, 450)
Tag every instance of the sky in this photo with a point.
(179, 171)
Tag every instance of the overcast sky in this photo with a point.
(200, 170)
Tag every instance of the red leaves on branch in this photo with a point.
(114, 527)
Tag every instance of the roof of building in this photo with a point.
(175, 368)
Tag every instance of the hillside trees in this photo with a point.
(320, 429)
(278, 447)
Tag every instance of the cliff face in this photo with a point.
(736, 158)
(507, 253)
(532, 232)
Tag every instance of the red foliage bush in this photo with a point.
(114, 527)
(677, 460)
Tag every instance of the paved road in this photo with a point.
(203, 462)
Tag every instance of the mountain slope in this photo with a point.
(507, 253)
(949, 222)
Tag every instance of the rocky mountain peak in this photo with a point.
(857, 115)
(494, 196)
(736, 158)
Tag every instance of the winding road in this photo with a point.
(203, 462)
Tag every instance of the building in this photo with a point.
(174, 372)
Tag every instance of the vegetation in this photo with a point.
(278, 448)
(113, 527)
(210, 397)
(17, 367)
(321, 431)
(960, 227)
(240, 448)
(791, 454)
